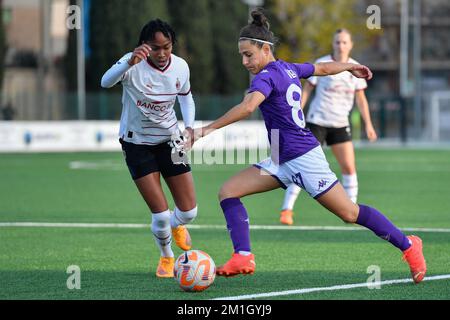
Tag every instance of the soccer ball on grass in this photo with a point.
(194, 270)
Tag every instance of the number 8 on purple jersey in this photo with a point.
(280, 83)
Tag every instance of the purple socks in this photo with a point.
(239, 228)
(237, 223)
(382, 227)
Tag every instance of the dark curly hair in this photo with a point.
(152, 27)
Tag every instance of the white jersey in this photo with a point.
(334, 97)
(149, 94)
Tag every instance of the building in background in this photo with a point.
(428, 69)
(36, 42)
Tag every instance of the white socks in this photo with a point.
(162, 232)
(182, 217)
(350, 184)
(290, 196)
(162, 224)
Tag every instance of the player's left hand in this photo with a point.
(360, 71)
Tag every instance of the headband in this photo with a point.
(257, 40)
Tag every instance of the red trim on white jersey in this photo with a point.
(158, 127)
(167, 94)
(151, 64)
(155, 135)
(159, 102)
(185, 94)
(334, 59)
(160, 94)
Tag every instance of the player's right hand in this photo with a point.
(196, 135)
(139, 54)
(201, 132)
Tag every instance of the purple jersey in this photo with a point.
(280, 83)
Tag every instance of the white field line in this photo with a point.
(114, 165)
(333, 288)
(194, 226)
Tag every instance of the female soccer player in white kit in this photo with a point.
(296, 155)
(152, 79)
(328, 115)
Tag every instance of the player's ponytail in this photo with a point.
(259, 19)
(258, 30)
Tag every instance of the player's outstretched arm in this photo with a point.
(238, 112)
(330, 68)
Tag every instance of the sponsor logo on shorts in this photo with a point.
(322, 184)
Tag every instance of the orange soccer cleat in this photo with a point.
(286, 217)
(414, 257)
(182, 237)
(165, 267)
(238, 264)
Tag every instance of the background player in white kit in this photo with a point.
(152, 78)
(328, 115)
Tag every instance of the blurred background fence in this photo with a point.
(392, 116)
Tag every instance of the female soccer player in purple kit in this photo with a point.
(296, 155)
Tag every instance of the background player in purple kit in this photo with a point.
(296, 155)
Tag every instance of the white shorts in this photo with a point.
(310, 172)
